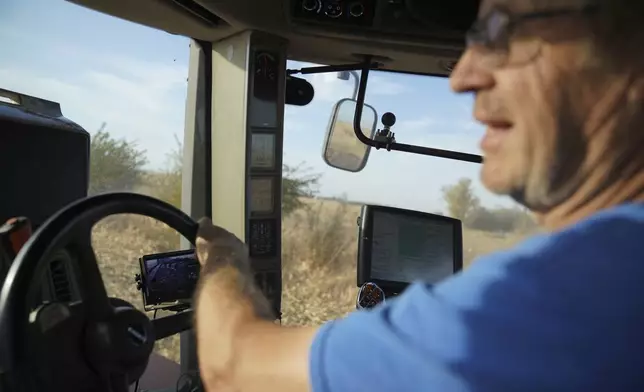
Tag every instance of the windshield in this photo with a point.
(320, 240)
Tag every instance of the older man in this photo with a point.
(559, 85)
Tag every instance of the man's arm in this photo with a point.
(239, 345)
(239, 350)
(521, 320)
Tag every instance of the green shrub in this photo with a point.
(115, 165)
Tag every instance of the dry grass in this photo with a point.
(319, 267)
(319, 260)
(119, 241)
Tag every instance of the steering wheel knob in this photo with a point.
(121, 344)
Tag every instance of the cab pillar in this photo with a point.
(248, 79)
(244, 164)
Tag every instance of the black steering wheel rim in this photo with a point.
(31, 261)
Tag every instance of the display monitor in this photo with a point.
(398, 247)
(168, 279)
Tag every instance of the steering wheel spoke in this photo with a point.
(93, 292)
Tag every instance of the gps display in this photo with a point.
(168, 279)
(398, 247)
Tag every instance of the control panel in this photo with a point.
(342, 12)
(419, 20)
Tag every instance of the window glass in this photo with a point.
(320, 236)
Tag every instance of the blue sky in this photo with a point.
(103, 69)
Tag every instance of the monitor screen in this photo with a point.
(406, 248)
(169, 277)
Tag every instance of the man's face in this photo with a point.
(534, 99)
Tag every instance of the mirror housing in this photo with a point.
(299, 92)
(342, 149)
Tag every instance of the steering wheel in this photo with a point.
(97, 344)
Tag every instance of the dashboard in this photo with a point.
(348, 12)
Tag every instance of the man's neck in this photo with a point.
(582, 206)
(613, 172)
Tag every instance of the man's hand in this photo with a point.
(239, 346)
(224, 259)
(226, 298)
(217, 248)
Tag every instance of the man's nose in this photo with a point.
(471, 73)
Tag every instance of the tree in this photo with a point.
(297, 183)
(115, 165)
(460, 198)
(501, 220)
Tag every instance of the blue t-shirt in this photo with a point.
(560, 312)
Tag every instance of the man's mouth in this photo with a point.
(495, 133)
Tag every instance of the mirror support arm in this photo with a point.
(357, 120)
(357, 117)
(333, 68)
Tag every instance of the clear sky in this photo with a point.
(134, 78)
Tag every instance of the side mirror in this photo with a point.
(342, 149)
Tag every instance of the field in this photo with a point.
(319, 253)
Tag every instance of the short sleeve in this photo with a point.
(379, 350)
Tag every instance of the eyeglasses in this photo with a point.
(496, 33)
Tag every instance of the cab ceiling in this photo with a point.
(405, 44)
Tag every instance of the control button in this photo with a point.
(356, 9)
(333, 9)
(263, 238)
(312, 5)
